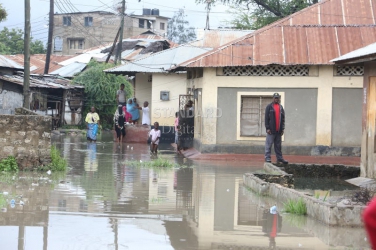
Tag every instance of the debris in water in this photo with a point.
(127, 146)
(228, 190)
(131, 148)
(49, 172)
(5, 193)
(22, 203)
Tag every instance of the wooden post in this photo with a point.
(26, 83)
(50, 33)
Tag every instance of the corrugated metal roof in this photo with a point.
(70, 70)
(42, 82)
(38, 61)
(314, 35)
(161, 61)
(362, 52)
(8, 63)
(215, 38)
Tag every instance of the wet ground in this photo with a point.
(104, 203)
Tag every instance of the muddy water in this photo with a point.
(103, 203)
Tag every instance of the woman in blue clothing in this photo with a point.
(133, 110)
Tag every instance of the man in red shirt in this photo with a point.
(275, 126)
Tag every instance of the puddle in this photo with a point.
(102, 203)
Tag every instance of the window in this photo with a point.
(162, 26)
(252, 112)
(76, 43)
(149, 24)
(141, 23)
(88, 21)
(67, 21)
(58, 44)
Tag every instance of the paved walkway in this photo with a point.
(193, 154)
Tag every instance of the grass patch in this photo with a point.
(295, 207)
(9, 164)
(160, 162)
(58, 163)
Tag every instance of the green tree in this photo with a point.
(261, 12)
(3, 13)
(178, 29)
(12, 42)
(100, 90)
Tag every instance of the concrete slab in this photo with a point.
(362, 182)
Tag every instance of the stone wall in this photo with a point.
(23, 111)
(333, 215)
(27, 138)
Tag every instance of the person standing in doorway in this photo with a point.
(121, 95)
(275, 126)
(93, 123)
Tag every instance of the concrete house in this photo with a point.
(366, 56)
(77, 31)
(323, 102)
(166, 91)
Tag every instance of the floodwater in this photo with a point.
(104, 203)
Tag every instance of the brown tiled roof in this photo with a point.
(37, 62)
(314, 35)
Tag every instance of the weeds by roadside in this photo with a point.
(9, 164)
(295, 207)
(159, 163)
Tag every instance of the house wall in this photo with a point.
(217, 135)
(300, 107)
(11, 97)
(142, 90)
(347, 117)
(27, 137)
(164, 111)
(103, 31)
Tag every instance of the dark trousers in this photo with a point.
(275, 139)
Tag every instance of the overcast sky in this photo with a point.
(195, 14)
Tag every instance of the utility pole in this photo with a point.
(113, 46)
(208, 7)
(119, 48)
(50, 33)
(26, 83)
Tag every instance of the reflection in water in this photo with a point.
(110, 205)
(91, 162)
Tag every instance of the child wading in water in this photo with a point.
(154, 134)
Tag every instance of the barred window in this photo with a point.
(88, 21)
(349, 70)
(269, 70)
(252, 114)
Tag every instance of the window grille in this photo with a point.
(162, 26)
(349, 70)
(76, 43)
(252, 113)
(270, 70)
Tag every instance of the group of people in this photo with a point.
(127, 112)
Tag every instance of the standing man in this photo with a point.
(121, 95)
(275, 126)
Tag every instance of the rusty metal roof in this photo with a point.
(38, 61)
(46, 81)
(314, 35)
(217, 37)
(9, 63)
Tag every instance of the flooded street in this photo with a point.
(103, 202)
